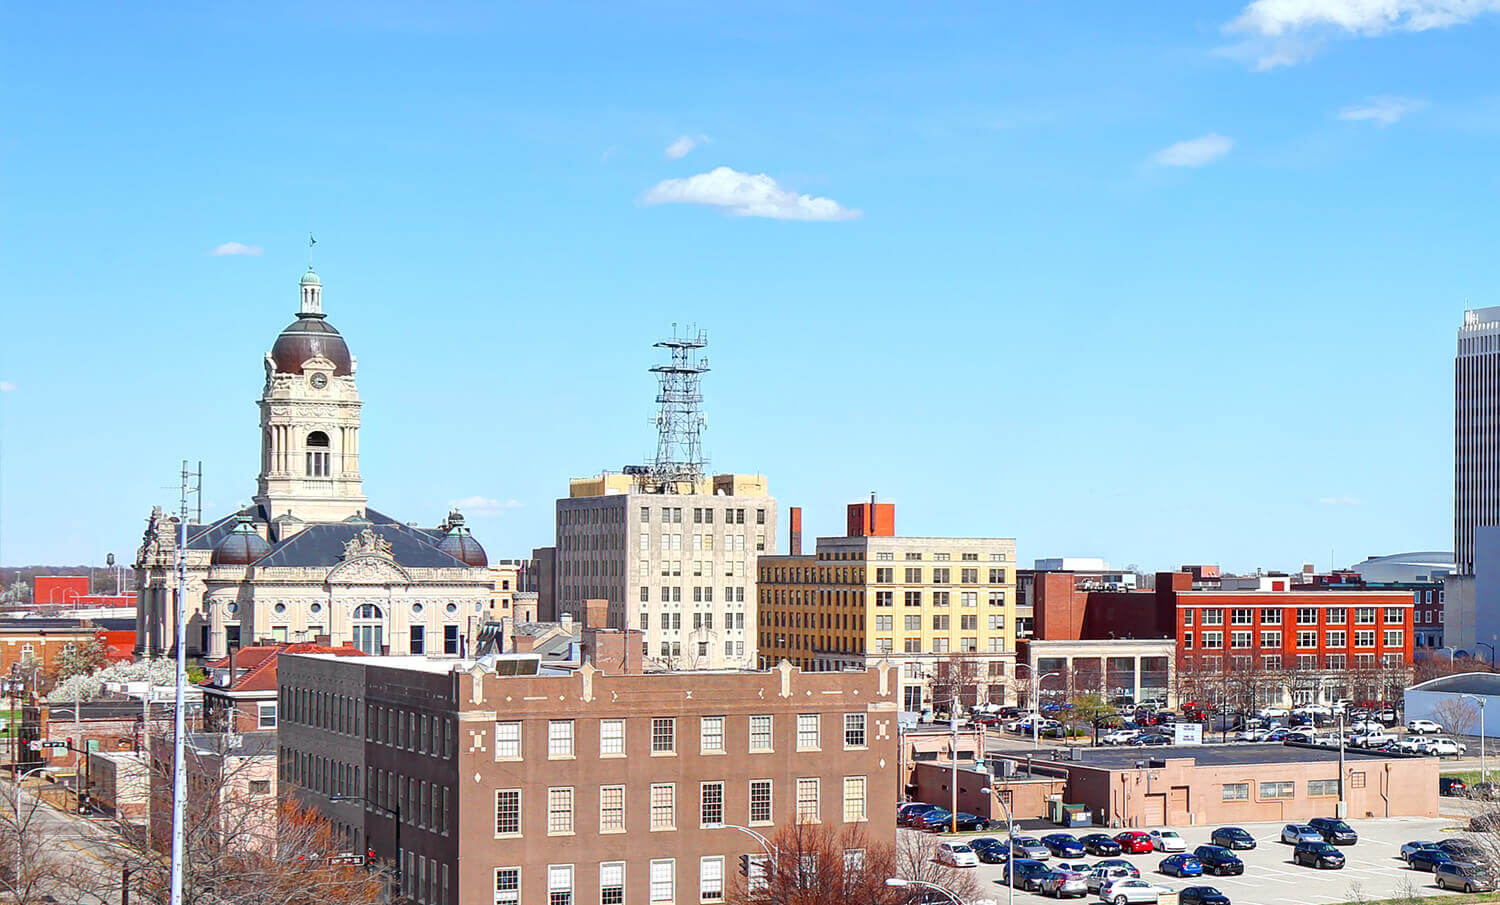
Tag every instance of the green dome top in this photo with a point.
(311, 279)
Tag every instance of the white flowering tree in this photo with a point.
(159, 672)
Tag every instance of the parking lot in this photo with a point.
(1373, 870)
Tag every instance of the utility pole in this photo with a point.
(179, 747)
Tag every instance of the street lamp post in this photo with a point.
(1483, 771)
(1492, 652)
(1010, 850)
(20, 791)
(1036, 702)
(902, 881)
(393, 813)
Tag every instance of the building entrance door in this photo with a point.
(1155, 811)
(1177, 806)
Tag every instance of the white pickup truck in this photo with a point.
(1371, 739)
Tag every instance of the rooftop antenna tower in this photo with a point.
(679, 418)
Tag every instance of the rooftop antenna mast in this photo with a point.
(192, 485)
(679, 418)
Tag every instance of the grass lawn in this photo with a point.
(1472, 776)
(1415, 900)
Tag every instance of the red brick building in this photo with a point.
(72, 591)
(240, 692)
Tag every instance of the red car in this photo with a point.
(1134, 842)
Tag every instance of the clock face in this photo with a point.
(319, 381)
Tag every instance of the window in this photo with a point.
(1337, 616)
(711, 879)
(1307, 615)
(1270, 790)
(1187, 617)
(968, 576)
(1336, 639)
(1307, 639)
(1364, 615)
(1395, 638)
(1270, 617)
(1213, 640)
(507, 885)
(854, 798)
(507, 812)
(317, 455)
(612, 883)
(884, 622)
(1270, 639)
(760, 732)
(417, 644)
(912, 598)
(559, 811)
(663, 735)
(559, 738)
(611, 809)
(1395, 615)
(611, 737)
(260, 787)
(559, 884)
(1239, 639)
(1213, 616)
(1236, 791)
(711, 734)
(508, 741)
(1335, 661)
(663, 806)
(854, 730)
(1271, 662)
(663, 889)
(1239, 617)
(808, 808)
(914, 576)
(807, 731)
(266, 715)
(1364, 638)
(760, 801)
(940, 622)
(450, 642)
(711, 803)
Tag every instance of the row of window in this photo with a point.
(1279, 790)
(1241, 640)
(1308, 615)
(701, 594)
(661, 887)
(966, 645)
(661, 806)
(1305, 662)
(882, 598)
(561, 735)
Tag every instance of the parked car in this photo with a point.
(1232, 837)
(1201, 895)
(1334, 830)
(1063, 845)
(1294, 833)
(1219, 861)
(1445, 747)
(1412, 744)
(1427, 858)
(1253, 735)
(1464, 877)
(1151, 739)
(969, 823)
(1371, 739)
(989, 850)
(1104, 874)
(1300, 737)
(1480, 791)
(1065, 883)
(1099, 844)
(1318, 854)
(934, 819)
(1025, 873)
(1183, 865)
(1366, 726)
(1128, 891)
(1135, 842)
(1277, 735)
(957, 854)
(1423, 727)
(1164, 840)
(907, 814)
(1119, 737)
(1408, 847)
(1029, 847)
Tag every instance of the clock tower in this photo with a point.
(309, 424)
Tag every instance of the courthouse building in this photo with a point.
(308, 559)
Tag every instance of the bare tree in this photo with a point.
(815, 864)
(955, 679)
(46, 866)
(916, 859)
(1456, 715)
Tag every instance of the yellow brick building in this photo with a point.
(922, 602)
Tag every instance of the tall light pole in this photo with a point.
(1036, 702)
(1483, 771)
(20, 850)
(902, 881)
(1492, 652)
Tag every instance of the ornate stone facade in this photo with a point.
(330, 567)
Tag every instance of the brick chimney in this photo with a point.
(795, 543)
(595, 613)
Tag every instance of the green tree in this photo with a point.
(1089, 710)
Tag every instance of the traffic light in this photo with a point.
(745, 866)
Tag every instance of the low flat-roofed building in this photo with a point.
(118, 784)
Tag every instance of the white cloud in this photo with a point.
(1338, 501)
(236, 248)
(746, 195)
(1383, 110)
(7, 387)
(683, 146)
(484, 506)
(1195, 152)
(1276, 30)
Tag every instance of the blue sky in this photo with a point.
(1164, 283)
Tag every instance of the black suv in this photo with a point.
(1452, 786)
(1334, 830)
(1318, 854)
(1219, 860)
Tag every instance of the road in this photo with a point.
(80, 840)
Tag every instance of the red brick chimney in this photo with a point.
(795, 546)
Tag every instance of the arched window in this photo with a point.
(265, 457)
(317, 455)
(369, 629)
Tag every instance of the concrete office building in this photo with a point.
(1476, 431)
(679, 566)
(918, 601)
(514, 787)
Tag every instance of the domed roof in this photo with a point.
(311, 278)
(460, 544)
(240, 547)
(308, 336)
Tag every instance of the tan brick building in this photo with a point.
(586, 788)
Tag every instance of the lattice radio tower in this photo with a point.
(679, 419)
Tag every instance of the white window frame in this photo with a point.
(662, 882)
(503, 745)
(560, 740)
(611, 738)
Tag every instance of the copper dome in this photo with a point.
(240, 547)
(308, 336)
(458, 543)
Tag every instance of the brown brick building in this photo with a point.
(514, 787)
